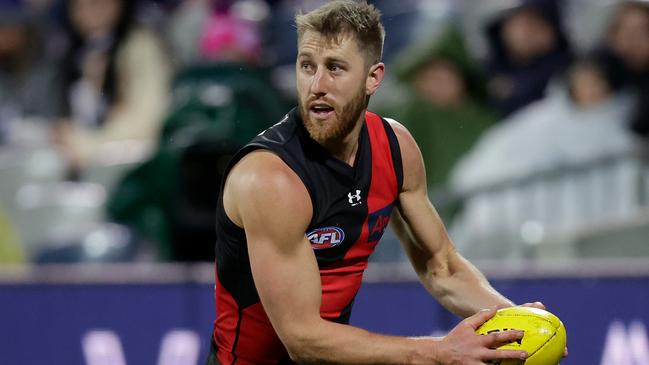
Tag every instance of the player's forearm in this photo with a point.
(466, 297)
(463, 289)
(333, 343)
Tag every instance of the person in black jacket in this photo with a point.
(626, 52)
(527, 48)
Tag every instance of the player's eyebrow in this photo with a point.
(327, 60)
(303, 54)
(336, 60)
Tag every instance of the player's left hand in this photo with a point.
(540, 305)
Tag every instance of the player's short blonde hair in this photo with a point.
(341, 18)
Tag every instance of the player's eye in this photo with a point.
(306, 66)
(334, 67)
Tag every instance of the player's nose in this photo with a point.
(319, 82)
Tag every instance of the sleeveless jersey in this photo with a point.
(351, 209)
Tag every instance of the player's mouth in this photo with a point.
(321, 111)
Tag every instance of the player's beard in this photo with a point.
(325, 132)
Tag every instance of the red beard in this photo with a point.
(343, 123)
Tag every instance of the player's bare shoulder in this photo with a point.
(407, 142)
(262, 181)
(396, 125)
(413, 164)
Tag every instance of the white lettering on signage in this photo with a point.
(102, 347)
(626, 347)
(178, 347)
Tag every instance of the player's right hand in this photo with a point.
(463, 346)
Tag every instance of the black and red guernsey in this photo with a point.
(351, 209)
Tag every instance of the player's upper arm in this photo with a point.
(264, 196)
(417, 223)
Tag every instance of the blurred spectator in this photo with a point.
(228, 38)
(218, 30)
(222, 97)
(627, 49)
(184, 29)
(116, 79)
(171, 198)
(444, 109)
(527, 48)
(580, 123)
(574, 124)
(27, 75)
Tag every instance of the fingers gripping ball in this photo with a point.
(544, 338)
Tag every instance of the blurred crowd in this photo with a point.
(117, 117)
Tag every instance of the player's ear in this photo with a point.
(374, 78)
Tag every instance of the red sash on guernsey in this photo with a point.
(341, 283)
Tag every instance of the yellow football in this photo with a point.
(544, 338)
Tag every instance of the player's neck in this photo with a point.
(345, 148)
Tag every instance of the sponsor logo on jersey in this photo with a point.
(377, 222)
(326, 237)
(355, 198)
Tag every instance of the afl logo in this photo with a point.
(326, 237)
